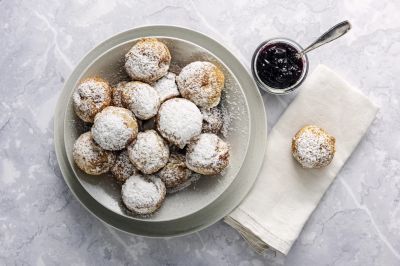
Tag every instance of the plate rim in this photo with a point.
(139, 226)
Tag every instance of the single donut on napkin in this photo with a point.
(313, 147)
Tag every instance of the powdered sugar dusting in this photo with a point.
(233, 108)
(141, 99)
(90, 97)
(91, 158)
(166, 87)
(179, 120)
(111, 130)
(204, 152)
(226, 121)
(199, 82)
(149, 153)
(312, 148)
(148, 60)
(143, 195)
(207, 154)
(212, 120)
(117, 94)
(123, 167)
(175, 173)
(192, 179)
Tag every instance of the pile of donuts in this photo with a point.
(153, 132)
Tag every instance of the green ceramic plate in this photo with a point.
(210, 198)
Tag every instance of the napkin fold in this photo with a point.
(284, 195)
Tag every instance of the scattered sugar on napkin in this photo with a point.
(284, 195)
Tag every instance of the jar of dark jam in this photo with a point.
(277, 66)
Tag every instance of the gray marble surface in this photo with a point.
(41, 223)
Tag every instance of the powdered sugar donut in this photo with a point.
(148, 60)
(90, 97)
(175, 173)
(207, 154)
(90, 157)
(141, 98)
(114, 128)
(149, 153)
(179, 121)
(202, 83)
(143, 194)
(212, 120)
(123, 168)
(313, 147)
(166, 87)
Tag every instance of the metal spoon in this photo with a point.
(333, 33)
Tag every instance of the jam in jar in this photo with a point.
(278, 66)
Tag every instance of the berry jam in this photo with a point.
(278, 66)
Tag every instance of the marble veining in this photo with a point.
(41, 223)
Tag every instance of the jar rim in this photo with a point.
(268, 88)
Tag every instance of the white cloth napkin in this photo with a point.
(285, 195)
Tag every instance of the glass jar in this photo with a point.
(286, 48)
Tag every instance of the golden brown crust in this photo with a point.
(117, 94)
(114, 128)
(148, 60)
(201, 83)
(212, 120)
(143, 194)
(90, 97)
(141, 99)
(207, 154)
(313, 147)
(175, 173)
(90, 157)
(220, 77)
(149, 152)
(123, 168)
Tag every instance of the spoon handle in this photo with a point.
(332, 34)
